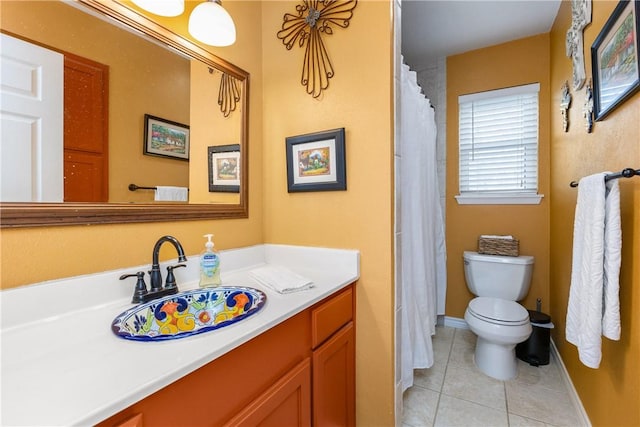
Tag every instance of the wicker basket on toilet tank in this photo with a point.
(498, 246)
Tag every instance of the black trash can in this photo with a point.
(535, 350)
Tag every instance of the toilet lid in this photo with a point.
(498, 310)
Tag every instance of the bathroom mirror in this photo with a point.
(207, 205)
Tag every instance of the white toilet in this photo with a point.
(494, 316)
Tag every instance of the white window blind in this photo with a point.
(498, 133)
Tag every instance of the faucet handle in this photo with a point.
(141, 287)
(171, 279)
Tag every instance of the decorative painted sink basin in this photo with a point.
(188, 313)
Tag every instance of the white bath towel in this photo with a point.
(593, 308)
(171, 194)
(612, 260)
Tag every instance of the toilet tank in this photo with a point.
(498, 276)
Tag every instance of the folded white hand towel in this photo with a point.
(593, 295)
(280, 279)
(171, 194)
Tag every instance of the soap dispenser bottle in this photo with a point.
(209, 265)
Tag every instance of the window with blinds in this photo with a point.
(498, 133)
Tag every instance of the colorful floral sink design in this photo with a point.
(188, 313)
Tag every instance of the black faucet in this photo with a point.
(156, 276)
(141, 294)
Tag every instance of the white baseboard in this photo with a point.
(455, 322)
(573, 394)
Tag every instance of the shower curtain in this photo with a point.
(422, 244)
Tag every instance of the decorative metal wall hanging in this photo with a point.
(580, 18)
(229, 94)
(565, 103)
(312, 18)
(587, 109)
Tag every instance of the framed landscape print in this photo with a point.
(165, 138)
(316, 161)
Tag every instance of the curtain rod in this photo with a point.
(624, 173)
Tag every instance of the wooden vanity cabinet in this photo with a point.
(299, 373)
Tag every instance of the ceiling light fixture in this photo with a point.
(211, 24)
(161, 7)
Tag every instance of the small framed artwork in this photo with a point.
(316, 162)
(614, 59)
(165, 138)
(224, 168)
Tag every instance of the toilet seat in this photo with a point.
(498, 311)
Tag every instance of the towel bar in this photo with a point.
(133, 187)
(624, 173)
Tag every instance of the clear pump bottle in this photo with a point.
(209, 265)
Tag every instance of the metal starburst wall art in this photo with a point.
(312, 19)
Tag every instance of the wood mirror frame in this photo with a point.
(51, 214)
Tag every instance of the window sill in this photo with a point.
(500, 199)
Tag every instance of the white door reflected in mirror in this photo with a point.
(32, 123)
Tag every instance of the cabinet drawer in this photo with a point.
(331, 316)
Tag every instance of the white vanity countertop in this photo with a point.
(62, 365)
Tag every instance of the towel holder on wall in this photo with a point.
(624, 173)
(133, 187)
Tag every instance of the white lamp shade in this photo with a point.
(161, 7)
(209, 23)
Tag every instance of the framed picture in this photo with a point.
(165, 138)
(614, 59)
(224, 168)
(316, 162)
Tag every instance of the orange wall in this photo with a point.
(140, 77)
(36, 254)
(610, 394)
(515, 63)
(359, 98)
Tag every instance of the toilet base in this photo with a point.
(496, 360)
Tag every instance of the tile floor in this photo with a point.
(455, 393)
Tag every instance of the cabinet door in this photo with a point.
(334, 380)
(286, 403)
(135, 421)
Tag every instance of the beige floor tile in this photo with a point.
(465, 336)
(462, 354)
(445, 333)
(474, 386)
(419, 407)
(454, 412)
(431, 378)
(518, 421)
(441, 356)
(547, 376)
(454, 392)
(442, 345)
(542, 404)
